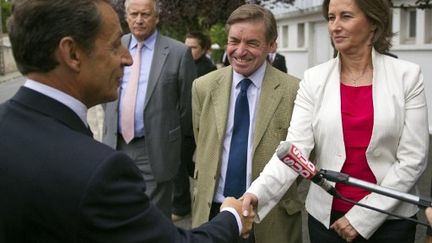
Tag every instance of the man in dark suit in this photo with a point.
(278, 61)
(162, 111)
(57, 183)
(199, 43)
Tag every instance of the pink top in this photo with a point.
(357, 124)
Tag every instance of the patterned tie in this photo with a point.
(129, 98)
(235, 179)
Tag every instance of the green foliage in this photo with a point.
(177, 18)
(6, 8)
(217, 34)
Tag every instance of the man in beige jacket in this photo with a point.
(270, 98)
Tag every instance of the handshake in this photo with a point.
(245, 207)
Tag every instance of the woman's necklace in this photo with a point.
(354, 81)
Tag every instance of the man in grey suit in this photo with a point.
(162, 110)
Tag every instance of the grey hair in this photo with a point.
(156, 4)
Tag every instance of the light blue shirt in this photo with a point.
(147, 52)
(253, 94)
(75, 105)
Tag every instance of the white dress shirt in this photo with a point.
(75, 105)
(146, 59)
(253, 94)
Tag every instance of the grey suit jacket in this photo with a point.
(167, 108)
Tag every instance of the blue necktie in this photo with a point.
(235, 179)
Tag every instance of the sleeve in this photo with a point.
(410, 161)
(114, 208)
(276, 177)
(186, 76)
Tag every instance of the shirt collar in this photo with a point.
(149, 43)
(75, 105)
(257, 77)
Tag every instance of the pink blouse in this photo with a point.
(357, 124)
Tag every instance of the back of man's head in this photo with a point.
(36, 27)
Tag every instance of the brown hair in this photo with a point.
(254, 12)
(378, 12)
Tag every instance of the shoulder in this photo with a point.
(125, 39)
(170, 42)
(214, 77)
(397, 73)
(285, 79)
(399, 64)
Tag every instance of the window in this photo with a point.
(428, 25)
(301, 35)
(408, 25)
(285, 36)
(412, 23)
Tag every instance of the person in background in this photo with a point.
(67, 187)
(240, 114)
(151, 121)
(199, 43)
(363, 113)
(224, 59)
(277, 60)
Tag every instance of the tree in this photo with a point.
(181, 16)
(5, 13)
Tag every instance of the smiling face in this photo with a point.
(102, 68)
(142, 18)
(349, 29)
(247, 47)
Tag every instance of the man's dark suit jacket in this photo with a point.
(279, 63)
(57, 184)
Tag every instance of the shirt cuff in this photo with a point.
(236, 215)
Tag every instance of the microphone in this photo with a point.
(291, 156)
(421, 201)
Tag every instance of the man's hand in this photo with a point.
(428, 213)
(344, 229)
(247, 221)
(250, 201)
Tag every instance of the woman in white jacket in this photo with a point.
(363, 113)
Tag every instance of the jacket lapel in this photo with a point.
(160, 54)
(220, 96)
(52, 108)
(270, 97)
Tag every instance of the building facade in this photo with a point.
(304, 40)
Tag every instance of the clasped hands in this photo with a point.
(245, 207)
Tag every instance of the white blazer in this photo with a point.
(396, 154)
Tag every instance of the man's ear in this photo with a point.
(273, 46)
(69, 53)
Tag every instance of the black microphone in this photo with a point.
(421, 201)
(291, 156)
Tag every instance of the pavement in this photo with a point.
(10, 76)
(95, 119)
